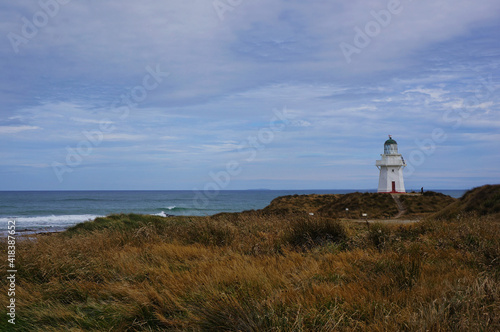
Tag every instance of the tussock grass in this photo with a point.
(260, 272)
(310, 232)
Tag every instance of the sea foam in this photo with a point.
(48, 221)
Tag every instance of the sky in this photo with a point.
(237, 94)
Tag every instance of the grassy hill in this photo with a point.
(429, 202)
(377, 206)
(482, 201)
(265, 271)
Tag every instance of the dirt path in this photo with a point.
(393, 220)
(400, 205)
(384, 221)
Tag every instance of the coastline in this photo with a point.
(44, 211)
(269, 268)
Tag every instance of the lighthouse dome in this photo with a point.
(390, 141)
(390, 146)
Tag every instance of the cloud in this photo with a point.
(227, 76)
(482, 137)
(8, 130)
(435, 94)
(94, 121)
(220, 147)
(35, 165)
(119, 137)
(187, 38)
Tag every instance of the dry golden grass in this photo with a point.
(257, 272)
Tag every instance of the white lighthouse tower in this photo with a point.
(391, 169)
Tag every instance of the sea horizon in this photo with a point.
(249, 189)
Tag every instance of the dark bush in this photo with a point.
(310, 232)
(379, 235)
(210, 234)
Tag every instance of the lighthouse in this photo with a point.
(391, 169)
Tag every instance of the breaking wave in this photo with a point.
(48, 221)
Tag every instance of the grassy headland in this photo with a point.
(376, 206)
(278, 269)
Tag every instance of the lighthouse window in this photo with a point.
(393, 171)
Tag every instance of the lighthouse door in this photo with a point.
(393, 186)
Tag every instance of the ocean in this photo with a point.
(47, 211)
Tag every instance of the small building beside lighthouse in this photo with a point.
(391, 169)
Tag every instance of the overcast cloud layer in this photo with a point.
(292, 94)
